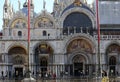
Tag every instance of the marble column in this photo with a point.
(56, 67)
(68, 30)
(74, 30)
(87, 30)
(81, 29)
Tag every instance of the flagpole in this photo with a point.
(29, 68)
(28, 74)
(98, 32)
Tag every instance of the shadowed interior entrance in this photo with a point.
(112, 65)
(78, 69)
(79, 65)
(43, 56)
(43, 65)
(18, 72)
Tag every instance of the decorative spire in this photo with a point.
(6, 3)
(32, 4)
(31, 1)
(12, 8)
(10, 5)
(44, 4)
(19, 4)
(56, 1)
(25, 4)
(85, 1)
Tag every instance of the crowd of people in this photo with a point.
(45, 75)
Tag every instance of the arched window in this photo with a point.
(77, 22)
(44, 33)
(19, 33)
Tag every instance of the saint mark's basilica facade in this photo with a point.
(62, 41)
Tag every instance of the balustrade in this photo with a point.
(102, 37)
(108, 37)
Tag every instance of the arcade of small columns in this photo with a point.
(87, 29)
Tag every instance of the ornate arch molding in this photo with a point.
(17, 17)
(81, 10)
(110, 43)
(86, 37)
(43, 42)
(46, 15)
(16, 44)
(71, 56)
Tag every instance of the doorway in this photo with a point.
(43, 65)
(18, 72)
(79, 62)
(78, 69)
(112, 65)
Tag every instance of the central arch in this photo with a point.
(43, 58)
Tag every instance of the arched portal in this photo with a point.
(80, 52)
(79, 62)
(17, 59)
(43, 58)
(112, 58)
